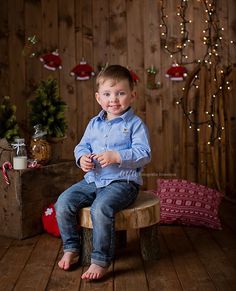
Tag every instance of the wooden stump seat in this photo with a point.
(143, 214)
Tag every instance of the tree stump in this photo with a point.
(149, 243)
(87, 244)
(143, 214)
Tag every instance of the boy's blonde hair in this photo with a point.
(116, 73)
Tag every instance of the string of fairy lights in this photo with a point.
(211, 119)
(213, 38)
(180, 45)
(213, 33)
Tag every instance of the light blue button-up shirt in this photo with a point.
(126, 134)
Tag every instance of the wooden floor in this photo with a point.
(191, 259)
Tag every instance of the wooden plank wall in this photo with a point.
(125, 32)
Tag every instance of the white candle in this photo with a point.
(19, 163)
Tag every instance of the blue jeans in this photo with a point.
(104, 202)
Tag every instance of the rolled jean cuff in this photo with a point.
(100, 263)
(71, 250)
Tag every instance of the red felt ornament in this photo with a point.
(82, 71)
(134, 76)
(51, 61)
(176, 72)
(49, 221)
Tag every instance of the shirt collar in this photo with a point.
(125, 116)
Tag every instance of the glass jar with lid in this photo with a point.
(20, 154)
(40, 149)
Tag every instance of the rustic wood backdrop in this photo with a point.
(126, 32)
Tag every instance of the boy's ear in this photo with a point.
(97, 97)
(134, 95)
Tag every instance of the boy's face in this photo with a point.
(115, 97)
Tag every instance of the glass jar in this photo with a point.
(40, 149)
(20, 154)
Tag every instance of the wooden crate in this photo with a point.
(30, 191)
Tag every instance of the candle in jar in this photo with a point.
(19, 163)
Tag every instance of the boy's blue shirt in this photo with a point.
(126, 134)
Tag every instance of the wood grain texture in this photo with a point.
(191, 258)
(128, 33)
(25, 199)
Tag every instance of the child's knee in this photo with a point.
(62, 206)
(99, 211)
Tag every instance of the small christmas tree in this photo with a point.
(8, 125)
(48, 109)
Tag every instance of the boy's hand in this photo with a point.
(86, 162)
(107, 158)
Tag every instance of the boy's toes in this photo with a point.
(68, 259)
(94, 272)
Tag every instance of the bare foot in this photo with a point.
(67, 260)
(94, 272)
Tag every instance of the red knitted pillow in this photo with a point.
(188, 203)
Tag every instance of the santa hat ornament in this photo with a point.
(51, 61)
(82, 71)
(176, 72)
